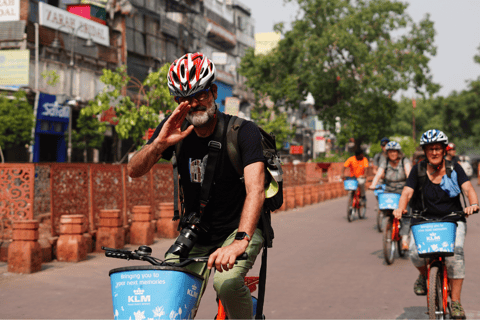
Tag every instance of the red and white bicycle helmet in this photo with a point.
(190, 74)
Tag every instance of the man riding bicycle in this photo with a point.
(438, 193)
(357, 165)
(396, 168)
(230, 218)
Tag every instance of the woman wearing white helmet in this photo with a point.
(427, 185)
(396, 168)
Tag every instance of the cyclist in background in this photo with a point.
(379, 156)
(439, 199)
(451, 153)
(357, 165)
(396, 168)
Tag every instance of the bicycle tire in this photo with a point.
(349, 207)
(401, 252)
(362, 211)
(388, 244)
(350, 214)
(380, 217)
(435, 294)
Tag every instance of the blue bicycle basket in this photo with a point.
(350, 184)
(388, 201)
(433, 238)
(154, 292)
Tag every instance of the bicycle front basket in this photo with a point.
(435, 238)
(388, 201)
(154, 292)
(350, 184)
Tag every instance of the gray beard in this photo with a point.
(199, 120)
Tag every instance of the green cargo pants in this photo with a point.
(229, 285)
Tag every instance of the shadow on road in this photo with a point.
(414, 313)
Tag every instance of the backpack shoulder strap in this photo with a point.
(176, 183)
(449, 167)
(422, 179)
(232, 144)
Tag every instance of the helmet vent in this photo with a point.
(175, 77)
(182, 70)
(192, 72)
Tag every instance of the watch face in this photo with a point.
(240, 235)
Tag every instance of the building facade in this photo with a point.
(77, 39)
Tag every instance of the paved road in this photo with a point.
(321, 267)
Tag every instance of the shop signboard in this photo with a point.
(296, 149)
(14, 66)
(56, 18)
(9, 10)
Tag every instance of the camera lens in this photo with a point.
(185, 241)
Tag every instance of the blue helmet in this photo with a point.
(433, 136)
(384, 141)
(393, 145)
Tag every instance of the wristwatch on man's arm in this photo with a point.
(242, 235)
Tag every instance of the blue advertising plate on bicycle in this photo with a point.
(388, 201)
(434, 238)
(350, 184)
(154, 292)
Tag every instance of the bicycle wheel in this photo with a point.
(362, 210)
(388, 244)
(350, 214)
(401, 252)
(350, 209)
(435, 294)
(380, 217)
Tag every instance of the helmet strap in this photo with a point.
(435, 168)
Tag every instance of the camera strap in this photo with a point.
(214, 151)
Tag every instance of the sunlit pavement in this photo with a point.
(321, 266)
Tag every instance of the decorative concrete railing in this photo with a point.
(30, 191)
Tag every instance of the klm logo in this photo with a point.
(433, 237)
(193, 292)
(138, 299)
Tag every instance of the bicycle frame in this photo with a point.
(356, 199)
(395, 229)
(251, 283)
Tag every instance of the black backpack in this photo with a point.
(272, 164)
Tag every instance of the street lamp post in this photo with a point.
(56, 43)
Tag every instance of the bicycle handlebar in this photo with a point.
(143, 254)
(417, 214)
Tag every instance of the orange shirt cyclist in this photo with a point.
(357, 165)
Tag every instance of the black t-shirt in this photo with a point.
(437, 201)
(227, 193)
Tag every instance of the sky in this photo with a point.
(456, 23)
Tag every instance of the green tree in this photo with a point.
(345, 54)
(273, 122)
(16, 120)
(90, 133)
(136, 115)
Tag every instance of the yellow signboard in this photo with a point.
(14, 67)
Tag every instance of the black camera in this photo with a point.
(191, 229)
